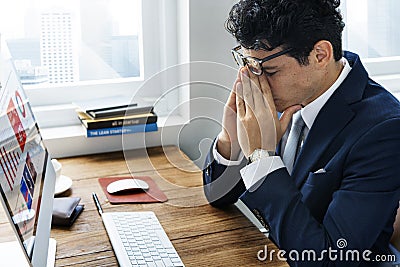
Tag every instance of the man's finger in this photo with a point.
(287, 116)
(266, 90)
(254, 81)
(240, 105)
(259, 103)
(246, 86)
(257, 93)
(238, 79)
(231, 102)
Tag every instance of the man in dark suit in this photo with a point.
(323, 176)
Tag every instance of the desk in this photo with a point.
(202, 235)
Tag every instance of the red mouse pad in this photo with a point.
(153, 194)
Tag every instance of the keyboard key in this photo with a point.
(170, 251)
(140, 258)
(159, 263)
(146, 255)
(164, 255)
(167, 262)
(175, 260)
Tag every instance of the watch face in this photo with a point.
(255, 155)
(259, 154)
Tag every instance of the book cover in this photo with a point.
(150, 127)
(105, 103)
(90, 123)
(119, 111)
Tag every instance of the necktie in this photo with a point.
(293, 142)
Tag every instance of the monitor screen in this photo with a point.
(24, 164)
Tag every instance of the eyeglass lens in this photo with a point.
(239, 59)
(253, 65)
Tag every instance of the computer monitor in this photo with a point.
(27, 177)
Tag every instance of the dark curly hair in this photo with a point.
(296, 24)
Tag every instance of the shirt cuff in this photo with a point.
(223, 161)
(259, 169)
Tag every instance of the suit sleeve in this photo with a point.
(223, 185)
(360, 211)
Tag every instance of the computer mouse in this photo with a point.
(124, 185)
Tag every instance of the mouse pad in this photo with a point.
(153, 194)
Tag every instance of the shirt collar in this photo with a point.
(309, 113)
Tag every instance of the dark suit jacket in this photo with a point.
(356, 140)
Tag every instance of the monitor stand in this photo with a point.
(11, 254)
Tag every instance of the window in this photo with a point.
(373, 31)
(372, 27)
(70, 41)
(122, 45)
(81, 49)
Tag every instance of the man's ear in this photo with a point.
(323, 52)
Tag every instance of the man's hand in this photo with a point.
(228, 145)
(258, 125)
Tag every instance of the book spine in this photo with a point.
(150, 127)
(120, 122)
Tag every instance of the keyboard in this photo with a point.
(138, 239)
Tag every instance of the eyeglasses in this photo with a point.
(254, 64)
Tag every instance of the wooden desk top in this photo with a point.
(202, 235)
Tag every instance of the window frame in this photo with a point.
(159, 30)
(384, 70)
(165, 26)
(60, 94)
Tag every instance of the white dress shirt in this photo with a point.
(259, 169)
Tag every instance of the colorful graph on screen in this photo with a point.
(22, 154)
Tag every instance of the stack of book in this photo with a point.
(113, 116)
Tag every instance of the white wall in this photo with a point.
(212, 75)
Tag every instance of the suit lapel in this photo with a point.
(331, 120)
(334, 116)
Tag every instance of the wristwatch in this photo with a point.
(260, 154)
